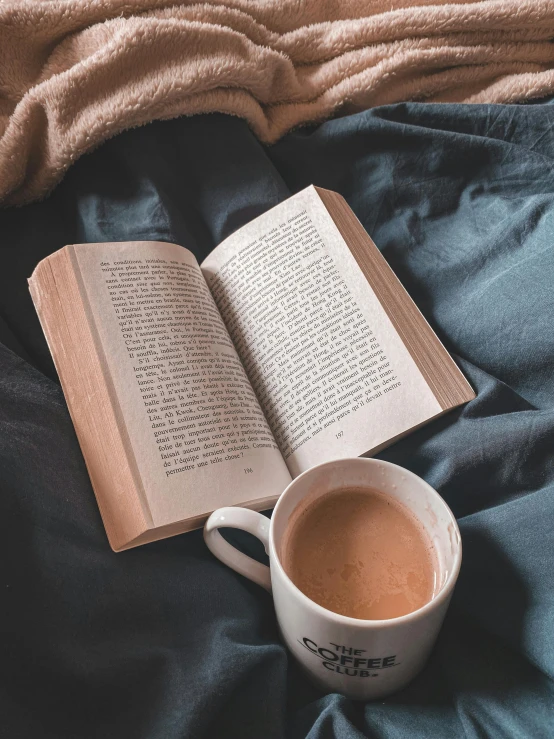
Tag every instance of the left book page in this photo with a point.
(168, 422)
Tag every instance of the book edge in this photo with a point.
(118, 531)
(458, 389)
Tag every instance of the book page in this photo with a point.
(191, 419)
(330, 371)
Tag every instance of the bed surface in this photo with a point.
(164, 641)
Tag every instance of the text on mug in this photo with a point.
(347, 660)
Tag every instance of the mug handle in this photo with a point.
(246, 520)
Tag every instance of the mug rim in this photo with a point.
(443, 594)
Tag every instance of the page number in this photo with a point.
(340, 433)
(248, 470)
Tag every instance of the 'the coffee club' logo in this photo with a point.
(347, 660)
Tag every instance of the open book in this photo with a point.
(197, 386)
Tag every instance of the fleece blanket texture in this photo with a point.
(165, 642)
(75, 72)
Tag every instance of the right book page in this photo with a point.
(338, 354)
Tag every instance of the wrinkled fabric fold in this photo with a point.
(75, 73)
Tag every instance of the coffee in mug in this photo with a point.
(360, 553)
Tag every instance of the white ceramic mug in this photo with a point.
(358, 658)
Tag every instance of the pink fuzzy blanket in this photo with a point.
(75, 72)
